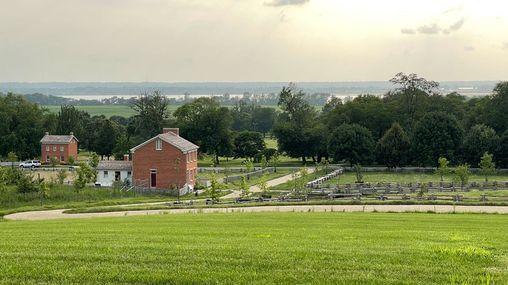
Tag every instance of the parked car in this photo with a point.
(30, 164)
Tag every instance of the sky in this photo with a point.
(251, 40)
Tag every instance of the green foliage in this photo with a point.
(359, 173)
(263, 184)
(436, 134)
(61, 175)
(53, 161)
(248, 144)
(249, 166)
(393, 148)
(462, 175)
(478, 140)
(214, 188)
(26, 184)
(352, 143)
(84, 175)
(12, 157)
(94, 160)
(487, 165)
(71, 160)
(244, 187)
(151, 115)
(442, 168)
(207, 124)
(502, 151)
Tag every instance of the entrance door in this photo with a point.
(117, 175)
(153, 178)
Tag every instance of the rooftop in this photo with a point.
(173, 139)
(57, 139)
(115, 165)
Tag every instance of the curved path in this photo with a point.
(58, 214)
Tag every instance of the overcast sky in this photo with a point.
(251, 40)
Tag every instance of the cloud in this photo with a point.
(434, 28)
(278, 3)
(431, 29)
(408, 31)
(455, 26)
(468, 48)
(505, 46)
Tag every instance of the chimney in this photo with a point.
(126, 157)
(175, 131)
(47, 133)
(72, 133)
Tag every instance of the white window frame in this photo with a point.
(158, 144)
(54, 148)
(47, 148)
(61, 148)
(105, 174)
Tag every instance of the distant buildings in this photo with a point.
(60, 146)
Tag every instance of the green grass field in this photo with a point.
(106, 110)
(261, 248)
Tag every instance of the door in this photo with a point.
(117, 175)
(153, 178)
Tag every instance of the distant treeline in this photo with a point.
(410, 125)
(318, 99)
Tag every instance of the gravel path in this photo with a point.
(58, 214)
(274, 182)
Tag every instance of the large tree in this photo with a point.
(393, 148)
(248, 144)
(207, 124)
(353, 143)
(478, 140)
(497, 107)
(436, 135)
(297, 119)
(21, 126)
(151, 115)
(501, 153)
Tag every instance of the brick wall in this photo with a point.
(59, 151)
(147, 158)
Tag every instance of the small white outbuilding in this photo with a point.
(109, 171)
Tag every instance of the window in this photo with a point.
(158, 144)
(62, 158)
(61, 148)
(54, 148)
(47, 148)
(105, 174)
(47, 157)
(129, 174)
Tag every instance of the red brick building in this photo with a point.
(60, 146)
(166, 161)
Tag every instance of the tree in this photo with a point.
(53, 161)
(244, 187)
(412, 88)
(214, 188)
(462, 175)
(151, 114)
(436, 134)
(352, 143)
(358, 173)
(502, 151)
(71, 160)
(294, 123)
(393, 148)
(442, 168)
(248, 144)
(70, 119)
(21, 126)
(84, 175)
(478, 140)
(12, 157)
(207, 124)
(61, 175)
(496, 114)
(94, 160)
(26, 184)
(263, 119)
(487, 165)
(263, 185)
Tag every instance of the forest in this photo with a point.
(413, 124)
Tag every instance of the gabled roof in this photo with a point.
(172, 139)
(115, 165)
(55, 139)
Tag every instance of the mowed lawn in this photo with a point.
(259, 248)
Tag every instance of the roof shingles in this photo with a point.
(55, 139)
(115, 165)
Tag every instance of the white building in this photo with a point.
(109, 171)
